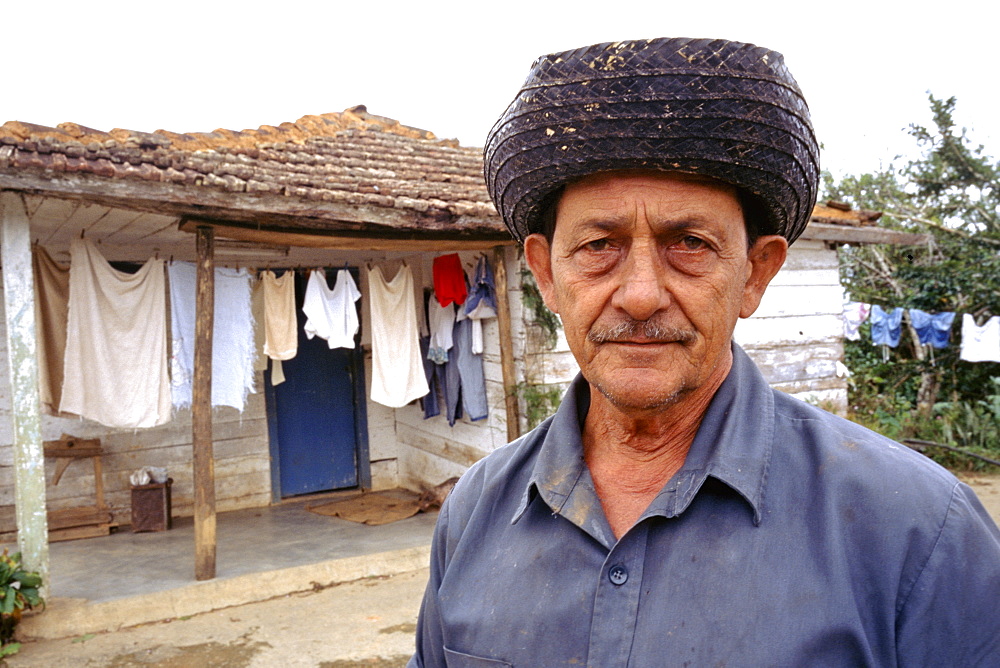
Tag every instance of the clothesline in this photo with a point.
(103, 334)
(979, 343)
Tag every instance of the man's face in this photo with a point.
(649, 272)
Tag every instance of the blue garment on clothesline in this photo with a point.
(465, 383)
(434, 373)
(483, 287)
(932, 328)
(886, 326)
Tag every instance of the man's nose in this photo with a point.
(641, 291)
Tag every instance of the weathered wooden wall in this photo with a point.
(241, 468)
(382, 451)
(431, 451)
(796, 335)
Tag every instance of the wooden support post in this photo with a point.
(201, 409)
(506, 345)
(22, 359)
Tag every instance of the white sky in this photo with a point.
(452, 67)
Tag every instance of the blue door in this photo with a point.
(312, 415)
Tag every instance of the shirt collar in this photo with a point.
(560, 463)
(733, 445)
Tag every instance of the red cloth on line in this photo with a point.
(449, 280)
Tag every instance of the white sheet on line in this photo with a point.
(115, 371)
(232, 335)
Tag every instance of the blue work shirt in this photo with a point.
(887, 326)
(790, 537)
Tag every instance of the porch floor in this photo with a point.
(261, 552)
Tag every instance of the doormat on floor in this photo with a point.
(373, 508)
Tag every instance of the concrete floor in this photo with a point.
(261, 552)
(248, 541)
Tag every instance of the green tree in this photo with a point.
(951, 193)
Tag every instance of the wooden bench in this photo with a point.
(86, 521)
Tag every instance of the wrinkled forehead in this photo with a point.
(605, 192)
(648, 178)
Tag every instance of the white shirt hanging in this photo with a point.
(442, 322)
(980, 344)
(483, 311)
(331, 314)
(855, 313)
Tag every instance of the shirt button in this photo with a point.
(618, 575)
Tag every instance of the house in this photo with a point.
(345, 189)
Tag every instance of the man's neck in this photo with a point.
(632, 456)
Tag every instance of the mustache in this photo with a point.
(630, 329)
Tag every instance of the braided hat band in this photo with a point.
(726, 110)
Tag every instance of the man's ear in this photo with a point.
(765, 257)
(538, 254)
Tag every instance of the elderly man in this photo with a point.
(676, 510)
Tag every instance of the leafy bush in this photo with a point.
(18, 587)
(970, 424)
(18, 591)
(547, 321)
(973, 425)
(541, 401)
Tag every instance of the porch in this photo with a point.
(126, 578)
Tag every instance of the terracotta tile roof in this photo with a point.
(838, 213)
(348, 158)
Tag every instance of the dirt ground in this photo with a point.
(367, 623)
(987, 489)
(364, 624)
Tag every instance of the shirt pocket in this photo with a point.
(455, 659)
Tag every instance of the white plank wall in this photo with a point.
(796, 335)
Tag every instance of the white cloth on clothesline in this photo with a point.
(483, 311)
(331, 314)
(257, 309)
(442, 322)
(232, 335)
(397, 369)
(980, 344)
(855, 313)
(281, 334)
(115, 371)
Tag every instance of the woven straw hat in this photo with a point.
(728, 110)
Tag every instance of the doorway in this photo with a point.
(316, 417)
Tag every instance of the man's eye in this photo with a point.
(693, 243)
(597, 245)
